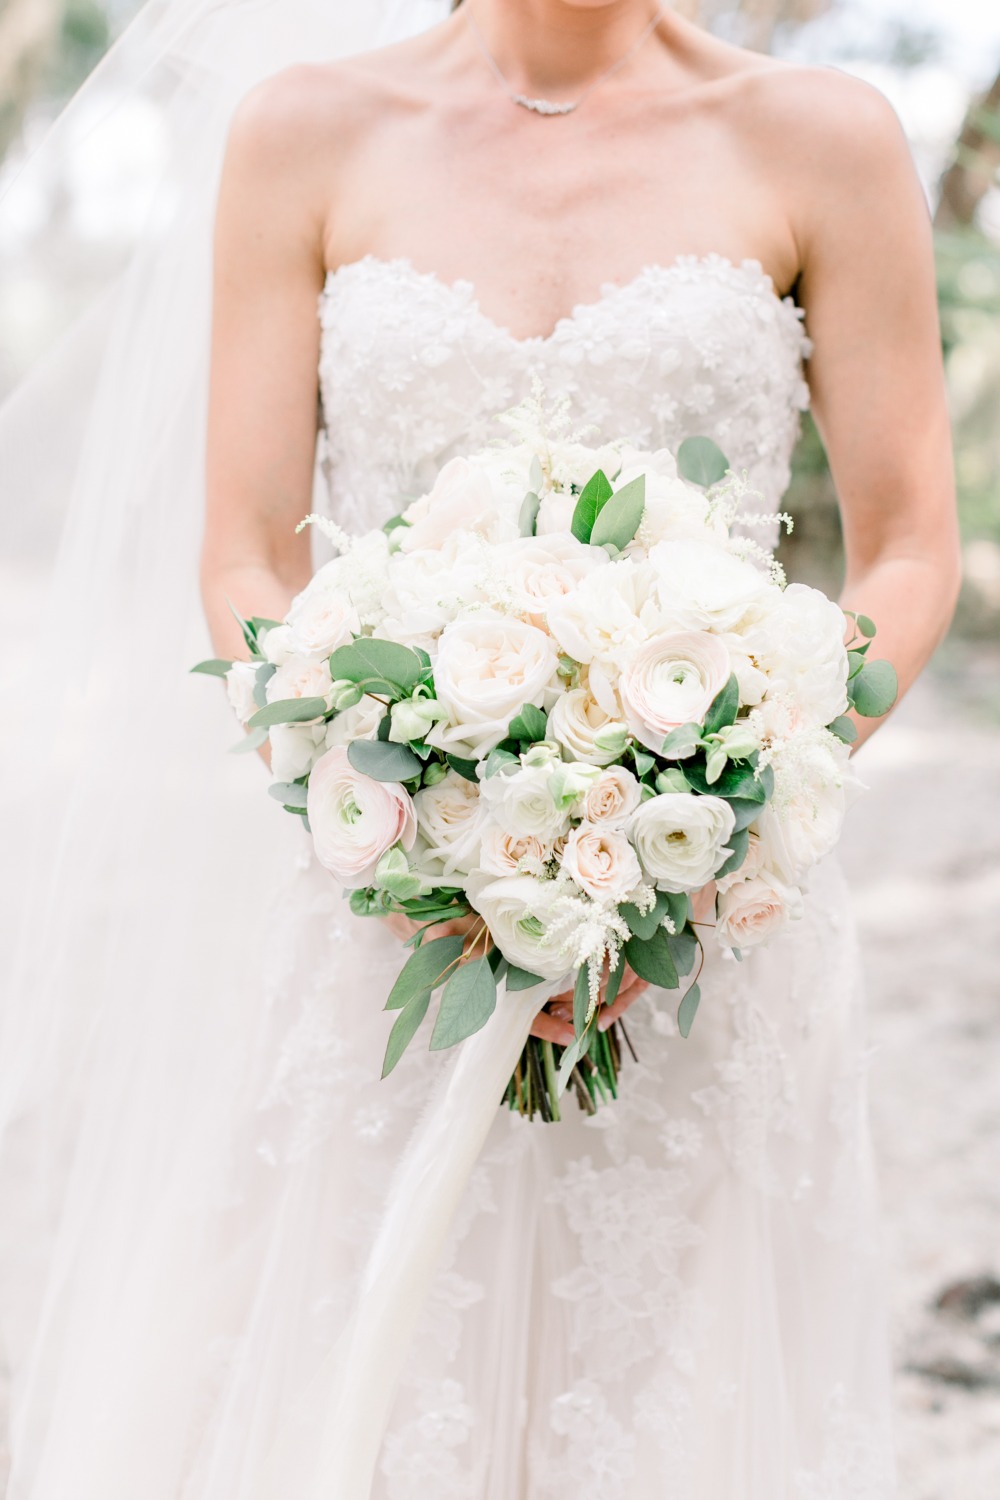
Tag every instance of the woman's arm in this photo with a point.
(868, 288)
(265, 347)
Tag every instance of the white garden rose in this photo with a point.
(700, 586)
(276, 644)
(241, 679)
(462, 499)
(299, 677)
(517, 910)
(295, 749)
(799, 644)
(576, 720)
(521, 802)
(681, 838)
(674, 509)
(355, 819)
(555, 513)
(426, 589)
(753, 910)
(321, 619)
(613, 798)
(488, 667)
(504, 853)
(448, 819)
(602, 862)
(534, 572)
(670, 681)
(358, 723)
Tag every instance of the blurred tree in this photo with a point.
(47, 48)
(975, 163)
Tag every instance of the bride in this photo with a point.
(682, 1296)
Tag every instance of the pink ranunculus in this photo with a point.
(671, 680)
(355, 819)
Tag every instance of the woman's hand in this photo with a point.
(405, 927)
(555, 1022)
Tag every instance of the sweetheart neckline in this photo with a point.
(608, 290)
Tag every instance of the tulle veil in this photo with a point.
(138, 858)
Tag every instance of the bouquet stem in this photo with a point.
(533, 1089)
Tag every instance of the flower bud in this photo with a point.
(412, 718)
(541, 753)
(344, 694)
(392, 874)
(672, 780)
(612, 739)
(435, 771)
(570, 782)
(739, 741)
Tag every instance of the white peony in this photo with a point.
(602, 862)
(427, 589)
(700, 586)
(680, 838)
(670, 681)
(321, 619)
(576, 721)
(462, 499)
(814, 783)
(241, 679)
(612, 799)
(534, 572)
(799, 644)
(488, 667)
(767, 854)
(521, 802)
(295, 748)
(448, 818)
(355, 819)
(752, 910)
(603, 616)
(518, 912)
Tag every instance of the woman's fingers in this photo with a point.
(550, 1029)
(630, 991)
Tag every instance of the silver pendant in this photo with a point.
(544, 106)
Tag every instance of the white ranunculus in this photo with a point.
(799, 644)
(321, 620)
(670, 681)
(504, 853)
(358, 723)
(517, 909)
(241, 680)
(701, 586)
(680, 838)
(295, 748)
(534, 572)
(613, 798)
(753, 910)
(814, 783)
(576, 720)
(299, 677)
(488, 667)
(521, 802)
(602, 617)
(355, 819)
(602, 862)
(462, 499)
(448, 818)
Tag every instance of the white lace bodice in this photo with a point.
(412, 371)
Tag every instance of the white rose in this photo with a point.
(276, 644)
(555, 514)
(295, 748)
(680, 838)
(241, 679)
(799, 644)
(670, 681)
(612, 799)
(534, 572)
(504, 853)
(576, 721)
(602, 616)
(488, 667)
(358, 723)
(448, 819)
(521, 802)
(518, 912)
(752, 910)
(462, 499)
(321, 619)
(602, 862)
(355, 819)
(701, 586)
(299, 677)
(674, 509)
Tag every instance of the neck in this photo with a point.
(556, 47)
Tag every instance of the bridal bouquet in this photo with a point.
(557, 696)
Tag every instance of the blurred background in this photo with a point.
(923, 849)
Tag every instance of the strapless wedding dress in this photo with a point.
(678, 1299)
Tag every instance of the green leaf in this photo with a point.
(497, 760)
(652, 960)
(725, 706)
(424, 970)
(251, 741)
(290, 794)
(866, 626)
(498, 964)
(875, 689)
(214, 668)
(382, 663)
(595, 494)
(677, 907)
(466, 768)
(383, 760)
(855, 661)
(618, 520)
(682, 741)
(581, 998)
(522, 979)
(745, 813)
(737, 782)
(530, 506)
(263, 676)
(404, 1029)
(701, 461)
(844, 728)
(393, 524)
(261, 624)
(643, 924)
(467, 1002)
(683, 950)
(529, 724)
(688, 1009)
(715, 764)
(614, 983)
(739, 843)
(288, 711)
(570, 1057)
(249, 634)
(644, 762)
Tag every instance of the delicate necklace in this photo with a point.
(552, 106)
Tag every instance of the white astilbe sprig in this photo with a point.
(728, 500)
(340, 540)
(589, 933)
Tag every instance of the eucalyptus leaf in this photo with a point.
(214, 668)
(581, 998)
(724, 708)
(683, 950)
(875, 689)
(381, 661)
(736, 782)
(866, 626)
(262, 624)
(497, 760)
(620, 517)
(644, 762)
(467, 768)
(652, 960)
(530, 506)
(290, 794)
(643, 924)
(251, 741)
(688, 1009)
(263, 676)
(249, 634)
(595, 494)
(739, 843)
(745, 813)
(424, 970)
(522, 979)
(682, 742)
(404, 1029)
(529, 724)
(678, 905)
(383, 760)
(467, 1002)
(844, 728)
(614, 983)
(701, 461)
(570, 1057)
(855, 661)
(288, 711)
